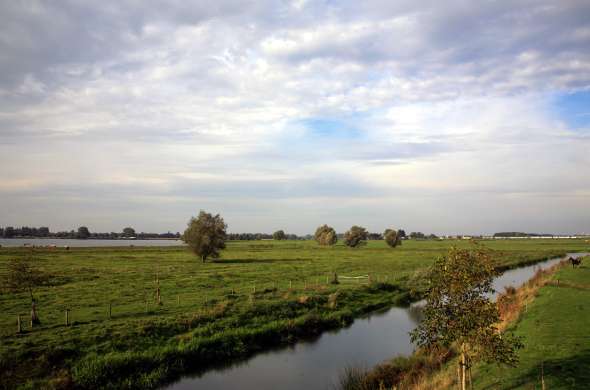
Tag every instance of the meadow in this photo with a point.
(258, 295)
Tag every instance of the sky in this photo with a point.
(442, 117)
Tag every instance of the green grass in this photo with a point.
(201, 322)
(556, 332)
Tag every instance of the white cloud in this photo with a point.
(188, 108)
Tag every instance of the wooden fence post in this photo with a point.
(19, 326)
(67, 317)
(110, 310)
(290, 284)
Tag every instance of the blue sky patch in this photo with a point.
(331, 128)
(574, 109)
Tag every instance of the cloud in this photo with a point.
(283, 112)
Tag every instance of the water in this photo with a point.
(16, 242)
(317, 364)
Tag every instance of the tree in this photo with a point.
(22, 275)
(417, 235)
(401, 233)
(83, 232)
(326, 235)
(8, 232)
(458, 311)
(355, 237)
(279, 235)
(44, 231)
(128, 232)
(392, 238)
(205, 235)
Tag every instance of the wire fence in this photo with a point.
(155, 301)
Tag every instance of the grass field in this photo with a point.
(259, 294)
(556, 332)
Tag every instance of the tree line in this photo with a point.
(81, 233)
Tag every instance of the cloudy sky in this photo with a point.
(444, 117)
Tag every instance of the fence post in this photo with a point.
(178, 299)
(290, 284)
(19, 326)
(67, 317)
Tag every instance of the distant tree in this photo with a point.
(392, 238)
(22, 275)
(44, 231)
(83, 232)
(432, 236)
(8, 232)
(279, 235)
(458, 311)
(355, 237)
(375, 236)
(417, 235)
(205, 235)
(325, 235)
(401, 233)
(128, 232)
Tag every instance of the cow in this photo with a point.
(575, 261)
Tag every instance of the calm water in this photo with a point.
(317, 364)
(12, 242)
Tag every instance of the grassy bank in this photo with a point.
(260, 294)
(556, 332)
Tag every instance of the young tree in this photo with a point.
(355, 237)
(22, 275)
(279, 235)
(392, 238)
(205, 235)
(458, 310)
(326, 235)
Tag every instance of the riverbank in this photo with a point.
(548, 311)
(258, 296)
(555, 330)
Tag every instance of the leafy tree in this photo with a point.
(458, 311)
(205, 235)
(326, 235)
(392, 238)
(128, 232)
(22, 275)
(279, 235)
(401, 233)
(355, 237)
(83, 232)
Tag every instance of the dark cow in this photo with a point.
(575, 261)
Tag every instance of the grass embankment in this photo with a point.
(259, 294)
(550, 312)
(556, 333)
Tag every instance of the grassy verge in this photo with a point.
(555, 328)
(260, 294)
